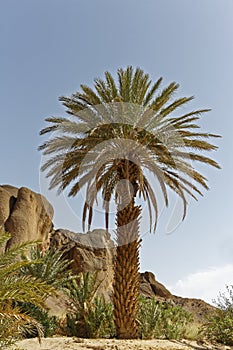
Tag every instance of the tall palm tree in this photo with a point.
(117, 134)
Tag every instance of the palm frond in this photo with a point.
(129, 108)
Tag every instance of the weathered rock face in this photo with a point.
(149, 287)
(92, 251)
(26, 215)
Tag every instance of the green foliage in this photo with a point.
(161, 320)
(50, 266)
(219, 326)
(15, 289)
(100, 319)
(49, 323)
(92, 316)
(148, 317)
(14, 324)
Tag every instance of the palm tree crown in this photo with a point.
(114, 125)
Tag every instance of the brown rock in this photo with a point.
(26, 215)
(92, 252)
(197, 307)
(149, 287)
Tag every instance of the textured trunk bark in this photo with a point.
(126, 279)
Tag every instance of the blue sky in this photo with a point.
(49, 47)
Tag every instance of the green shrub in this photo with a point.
(148, 317)
(14, 325)
(96, 323)
(49, 323)
(100, 319)
(161, 320)
(92, 316)
(219, 326)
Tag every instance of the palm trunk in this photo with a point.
(126, 271)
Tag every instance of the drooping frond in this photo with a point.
(119, 130)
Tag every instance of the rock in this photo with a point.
(26, 215)
(197, 307)
(92, 251)
(149, 287)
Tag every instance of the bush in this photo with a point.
(14, 324)
(96, 323)
(161, 320)
(92, 316)
(219, 326)
(49, 323)
(148, 316)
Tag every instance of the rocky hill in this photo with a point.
(28, 216)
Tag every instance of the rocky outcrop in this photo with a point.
(92, 251)
(26, 215)
(150, 287)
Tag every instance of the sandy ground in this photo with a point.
(63, 343)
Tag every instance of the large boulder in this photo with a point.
(91, 252)
(26, 215)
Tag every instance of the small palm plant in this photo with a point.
(14, 289)
(54, 269)
(117, 135)
(49, 266)
(90, 315)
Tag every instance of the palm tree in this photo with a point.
(115, 137)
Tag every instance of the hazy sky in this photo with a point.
(49, 47)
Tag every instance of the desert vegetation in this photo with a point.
(219, 326)
(24, 314)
